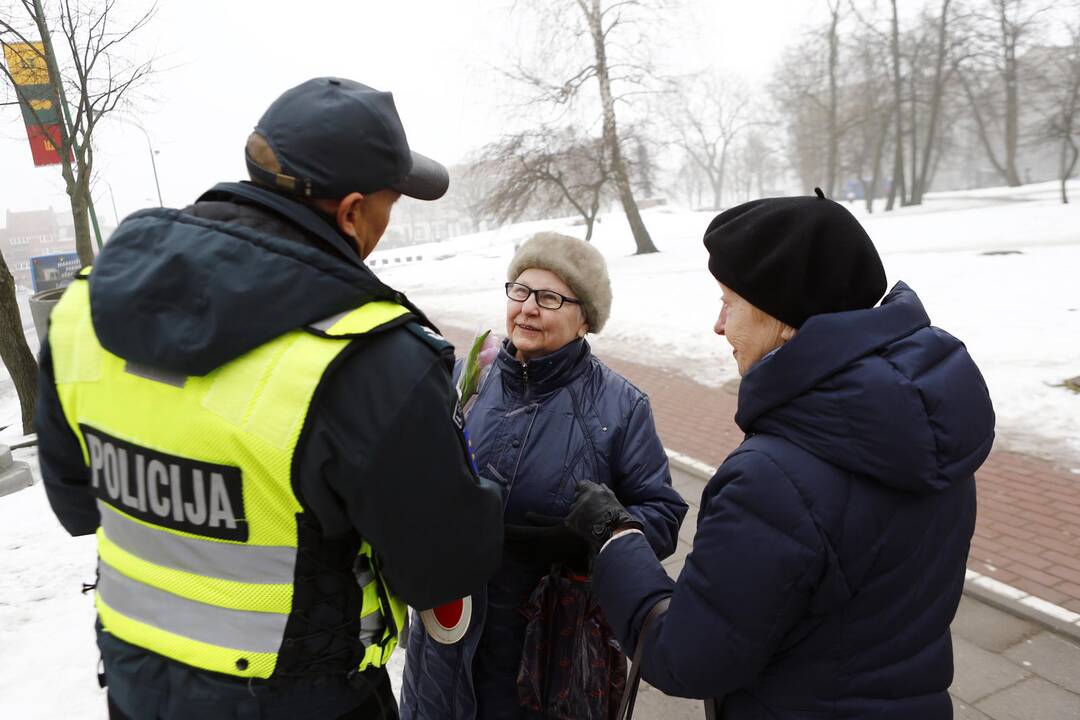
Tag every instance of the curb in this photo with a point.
(1022, 604)
(15, 477)
(979, 587)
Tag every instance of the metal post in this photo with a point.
(150, 146)
(112, 196)
(93, 221)
(153, 164)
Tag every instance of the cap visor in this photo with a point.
(428, 180)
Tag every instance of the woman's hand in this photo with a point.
(596, 514)
(546, 540)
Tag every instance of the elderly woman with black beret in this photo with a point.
(548, 417)
(831, 544)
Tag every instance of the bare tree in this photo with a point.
(14, 352)
(753, 165)
(710, 112)
(601, 24)
(798, 90)
(546, 171)
(1058, 78)
(867, 109)
(946, 59)
(833, 134)
(98, 79)
(689, 183)
(897, 184)
(89, 70)
(1003, 31)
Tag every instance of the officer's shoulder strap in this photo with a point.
(373, 317)
(430, 337)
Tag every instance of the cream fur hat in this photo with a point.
(577, 263)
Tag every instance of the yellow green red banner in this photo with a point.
(37, 99)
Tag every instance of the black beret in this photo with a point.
(795, 257)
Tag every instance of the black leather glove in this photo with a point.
(597, 513)
(545, 541)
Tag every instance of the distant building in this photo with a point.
(35, 232)
(27, 234)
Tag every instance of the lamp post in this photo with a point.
(112, 196)
(150, 146)
(153, 162)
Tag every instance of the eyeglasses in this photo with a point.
(547, 299)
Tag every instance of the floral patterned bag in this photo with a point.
(572, 667)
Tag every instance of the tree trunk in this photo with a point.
(879, 151)
(721, 173)
(80, 215)
(921, 181)
(594, 210)
(983, 133)
(914, 149)
(1012, 118)
(718, 191)
(834, 139)
(1067, 165)
(14, 352)
(642, 240)
(898, 106)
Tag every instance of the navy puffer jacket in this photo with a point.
(539, 429)
(831, 545)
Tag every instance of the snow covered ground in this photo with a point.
(1018, 313)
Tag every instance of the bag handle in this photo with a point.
(626, 707)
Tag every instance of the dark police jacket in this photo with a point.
(830, 550)
(381, 456)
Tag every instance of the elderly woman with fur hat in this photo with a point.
(831, 544)
(548, 416)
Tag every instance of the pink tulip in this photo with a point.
(489, 350)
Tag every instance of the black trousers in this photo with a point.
(379, 705)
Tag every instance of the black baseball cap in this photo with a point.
(334, 136)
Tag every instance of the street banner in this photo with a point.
(57, 270)
(37, 100)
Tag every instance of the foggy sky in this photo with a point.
(222, 62)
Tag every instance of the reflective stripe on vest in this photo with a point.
(198, 537)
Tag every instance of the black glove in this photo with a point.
(545, 541)
(597, 513)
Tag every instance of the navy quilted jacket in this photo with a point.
(538, 430)
(831, 545)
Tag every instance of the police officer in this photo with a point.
(263, 435)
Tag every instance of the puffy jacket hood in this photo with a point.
(187, 294)
(877, 392)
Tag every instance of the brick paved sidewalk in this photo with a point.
(1028, 529)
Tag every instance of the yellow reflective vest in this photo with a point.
(193, 478)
